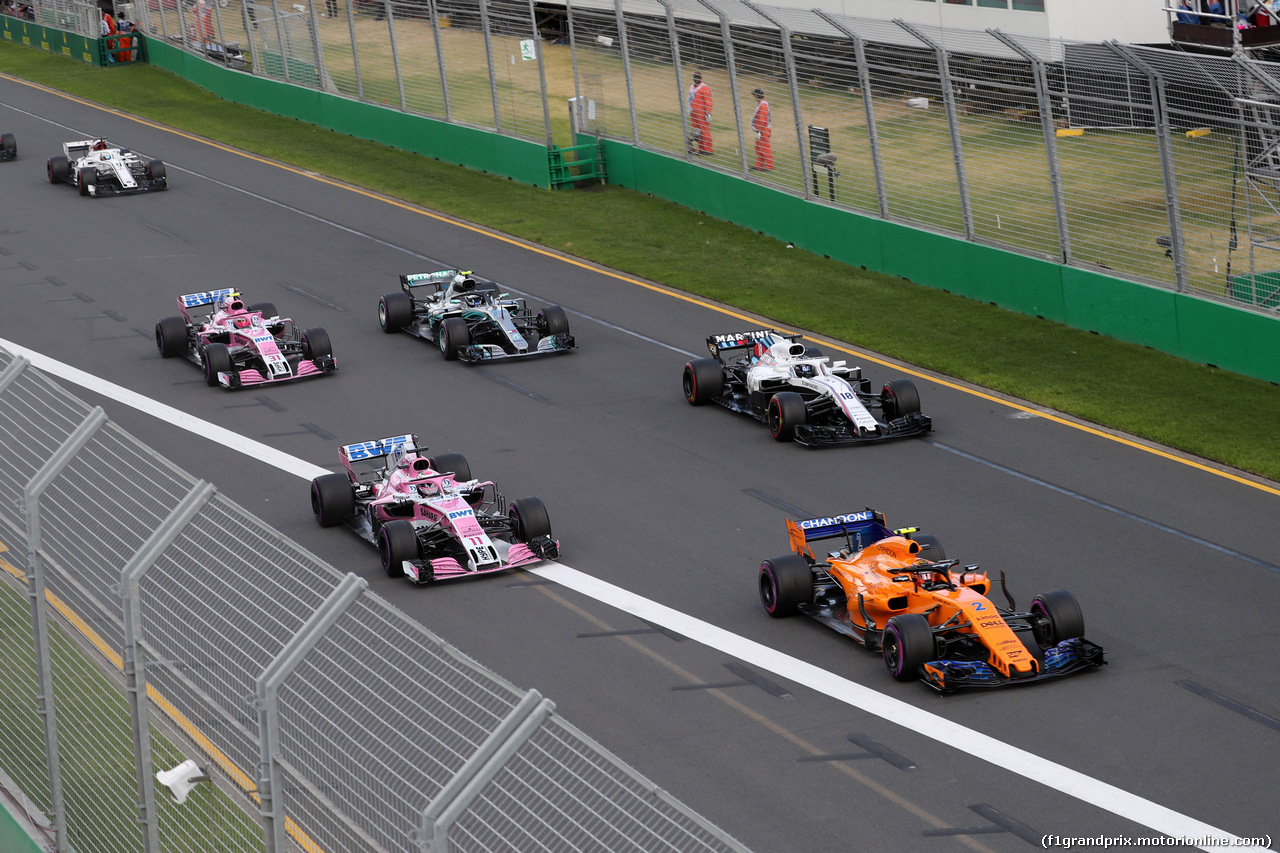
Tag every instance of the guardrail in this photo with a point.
(150, 621)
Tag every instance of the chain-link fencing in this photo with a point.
(1157, 165)
(148, 621)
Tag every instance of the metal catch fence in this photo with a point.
(148, 621)
(1156, 165)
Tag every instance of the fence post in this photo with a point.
(792, 84)
(1045, 104)
(674, 37)
(270, 789)
(435, 34)
(626, 70)
(280, 45)
(134, 669)
(13, 371)
(355, 47)
(488, 58)
(40, 614)
(953, 125)
(1168, 172)
(313, 27)
(501, 744)
(389, 10)
(864, 82)
(731, 62)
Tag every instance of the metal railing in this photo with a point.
(148, 620)
(1156, 165)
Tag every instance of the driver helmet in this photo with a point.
(240, 322)
(100, 145)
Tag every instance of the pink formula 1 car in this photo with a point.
(428, 518)
(238, 345)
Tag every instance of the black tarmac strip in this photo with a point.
(1174, 564)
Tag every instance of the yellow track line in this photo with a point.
(660, 289)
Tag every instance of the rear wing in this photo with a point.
(858, 529)
(368, 451)
(195, 300)
(719, 344)
(205, 299)
(437, 280)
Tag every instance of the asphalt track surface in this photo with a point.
(650, 637)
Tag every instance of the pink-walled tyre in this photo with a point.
(332, 499)
(397, 542)
(907, 645)
(786, 583)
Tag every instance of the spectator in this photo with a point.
(762, 124)
(1214, 7)
(1186, 13)
(700, 116)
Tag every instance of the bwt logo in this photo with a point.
(460, 513)
(839, 519)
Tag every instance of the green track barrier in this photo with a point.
(52, 40)
(1186, 326)
(14, 838)
(484, 151)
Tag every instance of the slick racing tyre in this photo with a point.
(155, 171)
(215, 359)
(454, 337)
(1060, 617)
(397, 542)
(395, 311)
(59, 169)
(9, 144)
(315, 343)
(703, 381)
(899, 397)
(332, 499)
(552, 321)
(786, 412)
(86, 178)
(786, 582)
(268, 309)
(530, 518)
(907, 645)
(930, 547)
(171, 336)
(452, 463)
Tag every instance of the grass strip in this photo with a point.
(1215, 414)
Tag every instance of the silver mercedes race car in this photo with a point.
(98, 168)
(470, 319)
(800, 393)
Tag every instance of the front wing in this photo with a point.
(303, 368)
(1066, 658)
(492, 352)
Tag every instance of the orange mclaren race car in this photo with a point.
(895, 592)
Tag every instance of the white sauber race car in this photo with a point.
(471, 320)
(98, 168)
(799, 393)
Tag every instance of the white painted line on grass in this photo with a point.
(1051, 774)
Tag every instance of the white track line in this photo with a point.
(1063, 779)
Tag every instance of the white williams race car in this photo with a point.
(97, 168)
(800, 393)
(470, 320)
